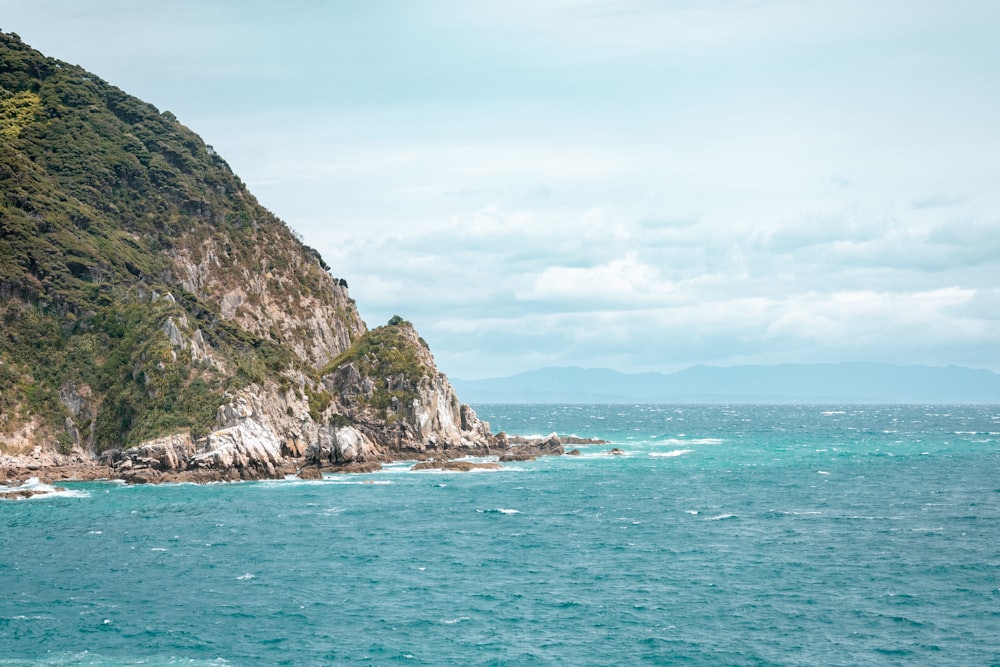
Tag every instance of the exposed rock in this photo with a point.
(457, 466)
(232, 413)
(173, 333)
(533, 448)
(573, 452)
(355, 467)
(310, 472)
(293, 447)
(28, 489)
(390, 390)
(142, 476)
(576, 440)
(169, 453)
(616, 452)
(76, 399)
(195, 309)
(340, 445)
(520, 453)
(176, 334)
(248, 446)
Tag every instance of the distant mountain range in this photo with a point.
(786, 383)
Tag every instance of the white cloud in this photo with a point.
(635, 184)
(622, 280)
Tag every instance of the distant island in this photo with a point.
(784, 383)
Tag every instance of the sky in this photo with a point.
(638, 185)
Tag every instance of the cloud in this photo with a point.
(938, 201)
(537, 288)
(635, 184)
(622, 280)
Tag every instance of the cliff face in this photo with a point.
(151, 308)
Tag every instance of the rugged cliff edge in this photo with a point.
(156, 322)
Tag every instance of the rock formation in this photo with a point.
(157, 323)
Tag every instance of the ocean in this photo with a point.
(724, 535)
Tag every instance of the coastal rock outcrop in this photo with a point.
(388, 390)
(339, 445)
(168, 453)
(146, 333)
(529, 449)
(247, 447)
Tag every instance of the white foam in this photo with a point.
(453, 621)
(246, 577)
(720, 517)
(499, 510)
(41, 490)
(473, 471)
(692, 441)
(374, 482)
(672, 453)
(822, 472)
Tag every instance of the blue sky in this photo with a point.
(636, 185)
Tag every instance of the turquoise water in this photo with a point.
(742, 535)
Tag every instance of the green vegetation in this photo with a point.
(388, 355)
(17, 112)
(100, 196)
(319, 401)
(142, 390)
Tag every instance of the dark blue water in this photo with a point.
(742, 535)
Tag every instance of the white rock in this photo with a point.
(248, 444)
(168, 453)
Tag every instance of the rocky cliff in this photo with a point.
(154, 314)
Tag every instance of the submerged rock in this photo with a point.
(355, 467)
(457, 466)
(310, 472)
(28, 489)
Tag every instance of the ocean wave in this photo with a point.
(672, 453)
(720, 517)
(473, 471)
(499, 510)
(88, 659)
(349, 482)
(40, 490)
(692, 441)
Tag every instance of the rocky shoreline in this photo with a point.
(177, 460)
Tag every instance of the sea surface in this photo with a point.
(725, 535)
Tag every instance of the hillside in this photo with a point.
(144, 292)
(783, 383)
